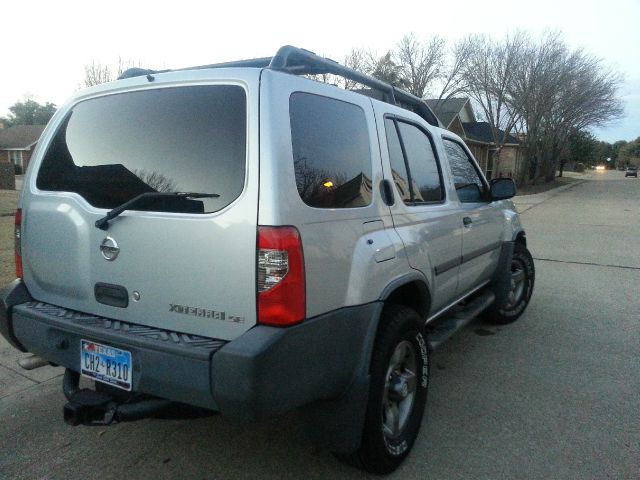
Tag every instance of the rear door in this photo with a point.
(423, 215)
(481, 220)
(182, 264)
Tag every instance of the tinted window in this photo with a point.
(423, 166)
(331, 152)
(398, 167)
(188, 139)
(469, 185)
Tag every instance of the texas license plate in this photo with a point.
(105, 364)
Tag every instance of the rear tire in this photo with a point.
(522, 279)
(398, 392)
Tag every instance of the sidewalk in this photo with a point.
(526, 202)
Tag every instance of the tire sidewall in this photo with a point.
(395, 450)
(521, 254)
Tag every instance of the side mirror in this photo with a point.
(502, 188)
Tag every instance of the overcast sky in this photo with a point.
(46, 44)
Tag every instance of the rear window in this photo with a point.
(331, 154)
(184, 139)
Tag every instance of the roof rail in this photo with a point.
(298, 61)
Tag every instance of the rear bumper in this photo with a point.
(266, 371)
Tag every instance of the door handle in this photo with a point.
(467, 221)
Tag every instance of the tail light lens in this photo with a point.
(18, 243)
(281, 285)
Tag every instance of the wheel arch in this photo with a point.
(410, 291)
(520, 237)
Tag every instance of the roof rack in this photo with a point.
(298, 61)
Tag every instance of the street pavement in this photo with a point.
(555, 395)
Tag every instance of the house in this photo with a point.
(17, 144)
(456, 114)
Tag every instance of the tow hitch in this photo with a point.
(90, 407)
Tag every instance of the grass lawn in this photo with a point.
(543, 187)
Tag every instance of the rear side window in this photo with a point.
(184, 139)
(331, 154)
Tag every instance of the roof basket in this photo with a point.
(298, 61)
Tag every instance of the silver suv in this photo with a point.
(243, 239)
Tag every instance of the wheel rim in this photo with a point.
(518, 277)
(399, 390)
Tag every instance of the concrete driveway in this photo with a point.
(555, 395)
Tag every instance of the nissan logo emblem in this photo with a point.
(109, 248)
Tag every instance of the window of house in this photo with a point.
(414, 166)
(331, 152)
(468, 182)
(15, 157)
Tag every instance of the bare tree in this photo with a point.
(421, 63)
(558, 91)
(156, 180)
(489, 71)
(384, 68)
(97, 73)
(355, 59)
(541, 90)
(453, 82)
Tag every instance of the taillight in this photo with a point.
(18, 243)
(281, 286)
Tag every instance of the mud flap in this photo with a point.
(337, 424)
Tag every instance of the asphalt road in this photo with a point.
(555, 395)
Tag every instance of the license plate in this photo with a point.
(105, 364)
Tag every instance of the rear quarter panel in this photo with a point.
(340, 263)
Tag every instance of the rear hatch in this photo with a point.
(183, 264)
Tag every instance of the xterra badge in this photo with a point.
(204, 313)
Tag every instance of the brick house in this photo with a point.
(16, 146)
(456, 114)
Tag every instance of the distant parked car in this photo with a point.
(631, 172)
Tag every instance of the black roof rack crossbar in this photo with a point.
(298, 61)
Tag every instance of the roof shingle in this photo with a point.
(481, 131)
(447, 108)
(20, 136)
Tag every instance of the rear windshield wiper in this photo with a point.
(103, 223)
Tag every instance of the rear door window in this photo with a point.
(331, 152)
(396, 158)
(182, 139)
(414, 166)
